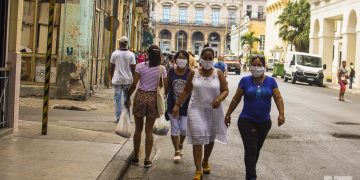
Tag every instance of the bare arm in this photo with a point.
(133, 85)
(280, 106)
(224, 90)
(234, 103)
(112, 70)
(184, 94)
(132, 67)
(167, 82)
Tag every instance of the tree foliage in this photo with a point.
(249, 39)
(295, 24)
(147, 39)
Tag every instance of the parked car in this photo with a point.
(233, 63)
(304, 67)
(271, 62)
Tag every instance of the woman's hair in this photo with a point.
(257, 56)
(154, 53)
(183, 52)
(206, 50)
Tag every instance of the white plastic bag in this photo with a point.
(161, 126)
(123, 128)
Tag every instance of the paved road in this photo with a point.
(304, 148)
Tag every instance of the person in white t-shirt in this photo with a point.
(122, 68)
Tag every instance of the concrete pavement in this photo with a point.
(79, 144)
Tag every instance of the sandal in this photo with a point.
(198, 175)
(206, 167)
(147, 164)
(181, 149)
(177, 157)
(135, 161)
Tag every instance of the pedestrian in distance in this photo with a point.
(141, 57)
(351, 69)
(254, 121)
(122, 68)
(145, 101)
(208, 88)
(221, 66)
(176, 82)
(343, 77)
(192, 61)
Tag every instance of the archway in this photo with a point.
(197, 42)
(214, 42)
(165, 41)
(181, 40)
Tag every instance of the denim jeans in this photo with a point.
(351, 81)
(253, 135)
(119, 89)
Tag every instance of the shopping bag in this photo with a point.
(123, 128)
(161, 126)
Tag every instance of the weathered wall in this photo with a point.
(75, 44)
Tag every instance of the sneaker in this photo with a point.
(147, 164)
(177, 157)
(135, 161)
(116, 121)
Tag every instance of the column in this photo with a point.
(173, 40)
(206, 37)
(357, 58)
(222, 44)
(348, 48)
(189, 41)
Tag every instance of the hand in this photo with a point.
(216, 103)
(227, 121)
(175, 112)
(128, 104)
(281, 120)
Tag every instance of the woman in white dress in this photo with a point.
(208, 88)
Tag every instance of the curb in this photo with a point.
(119, 164)
(337, 88)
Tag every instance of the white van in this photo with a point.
(303, 67)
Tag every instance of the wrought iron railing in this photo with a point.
(4, 90)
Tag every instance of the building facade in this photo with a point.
(274, 46)
(335, 34)
(191, 24)
(253, 20)
(10, 64)
(85, 35)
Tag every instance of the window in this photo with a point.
(199, 16)
(248, 10)
(262, 43)
(232, 18)
(261, 12)
(182, 15)
(166, 14)
(215, 17)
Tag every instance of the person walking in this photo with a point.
(351, 74)
(145, 101)
(176, 82)
(192, 61)
(122, 68)
(208, 88)
(141, 57)
(221, 65)
(342, 80)
(254, 121)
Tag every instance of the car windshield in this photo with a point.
(230, 58)
(309, 61)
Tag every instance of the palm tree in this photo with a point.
(295, 24)
(249, 39)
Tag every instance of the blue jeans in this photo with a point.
(119, 89)
(351, 82)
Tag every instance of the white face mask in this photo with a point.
(181, 63)
(257, 71)
(207, 64)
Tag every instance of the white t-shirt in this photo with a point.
(122, 60)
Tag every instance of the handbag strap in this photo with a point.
(161, 77)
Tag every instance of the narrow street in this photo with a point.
(303, 148)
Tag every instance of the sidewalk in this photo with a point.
(79, 144)
(337, 87)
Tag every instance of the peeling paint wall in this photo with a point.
(75, 42)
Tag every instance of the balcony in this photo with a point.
(143, 6)
(187, 23)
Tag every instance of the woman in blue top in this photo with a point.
(254, 122)
(176, 83)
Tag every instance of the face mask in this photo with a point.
(257, 71)
(207, 64)
(181, 63)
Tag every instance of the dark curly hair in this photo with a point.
(207, 49)
(258, 56)
(154, 55)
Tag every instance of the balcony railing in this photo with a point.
(187, 23)
(4, 90)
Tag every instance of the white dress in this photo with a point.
(205, 124)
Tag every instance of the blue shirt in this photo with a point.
(220, 65)
(176, 86)
(257, 99)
